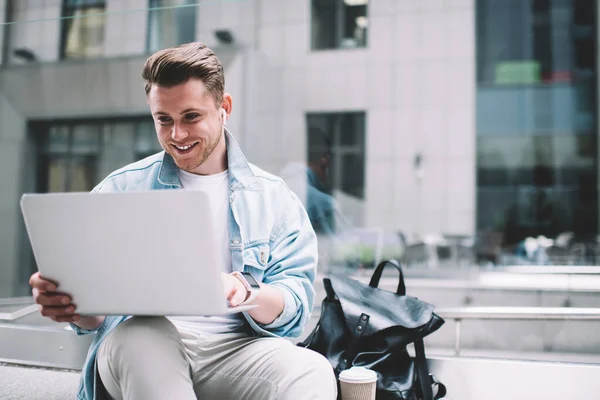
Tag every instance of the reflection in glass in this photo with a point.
(537, 144)
(146, 143)
(339, 24)
(342, 135)
(170, 23)
(83, 28)
(77, 156)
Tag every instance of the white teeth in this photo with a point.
(183, 147)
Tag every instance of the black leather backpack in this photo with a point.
(361, 325)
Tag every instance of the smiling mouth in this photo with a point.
(183, 149)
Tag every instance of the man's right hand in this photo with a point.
(53, 304)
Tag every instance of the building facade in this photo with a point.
(405, 91)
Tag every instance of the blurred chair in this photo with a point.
(585, 253)
(464, 255)
(488, 247)
(420, 254)
(559, 255)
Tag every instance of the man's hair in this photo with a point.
(176, 65)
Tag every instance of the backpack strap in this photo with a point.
(441, 388)
(423, 371)
(347, 357)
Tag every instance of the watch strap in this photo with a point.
(252, 292)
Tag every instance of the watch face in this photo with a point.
(250, 279)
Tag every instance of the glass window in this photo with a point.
(83, 28)
(77, 156)
(536, 129)
(68, 158)
(533, 41)
(339, 24)
(146, 142)
(170, 22)
(337, 141)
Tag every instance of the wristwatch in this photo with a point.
(252, 287)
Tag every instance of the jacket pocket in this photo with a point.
(256, 256)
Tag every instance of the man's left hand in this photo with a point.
(235, 292)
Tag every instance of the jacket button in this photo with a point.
(359, 328)
(364, 317)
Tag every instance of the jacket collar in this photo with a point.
(241, 176)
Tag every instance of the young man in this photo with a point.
(263, 230)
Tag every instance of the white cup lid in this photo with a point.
(358, 375)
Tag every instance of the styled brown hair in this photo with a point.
(176, 65)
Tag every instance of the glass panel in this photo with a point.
(83, 174)
(146, 143)
(324, 24)
(86, 139)
(171, 23)
(339, 24)
(58, 141)
(353, 166)
(84, 32)
(58, 171)
(477, 167)
(355, 25)
(537, 140)
(335, 170)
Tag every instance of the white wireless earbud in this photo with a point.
(224, 117)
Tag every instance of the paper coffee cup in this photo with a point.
(358, 383)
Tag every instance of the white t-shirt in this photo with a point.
(217, 188)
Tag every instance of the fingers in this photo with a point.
(54, 305)
(36, 281)
(51, 299)
(60, 313)
(72, 318)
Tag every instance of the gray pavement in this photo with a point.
(27, 383)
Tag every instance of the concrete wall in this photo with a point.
(37, 28)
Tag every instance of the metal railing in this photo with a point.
(459, 314)
(551, 269)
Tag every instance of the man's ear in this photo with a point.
(227, 103)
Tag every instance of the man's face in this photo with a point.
(188, 122)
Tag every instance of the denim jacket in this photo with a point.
(270, 236)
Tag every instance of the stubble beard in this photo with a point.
(190, 166)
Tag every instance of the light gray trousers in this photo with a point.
(148, 358)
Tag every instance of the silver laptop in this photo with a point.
(135, 253)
